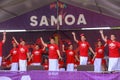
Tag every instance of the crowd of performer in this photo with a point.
(20, 57)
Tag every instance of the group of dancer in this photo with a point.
(20, 54)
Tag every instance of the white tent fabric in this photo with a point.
(13, 8)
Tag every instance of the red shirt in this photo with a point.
(53, 51)
(61, 64)
(23, 50)
(14, 54)
(113, 48)
(100, 52)
(90, 62)
(37, 56)
(29, 62)
(70, 56)
(5, 63)
(45, 65)
(84, 47)
(103, 61)
(1, 44)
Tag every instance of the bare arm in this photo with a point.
(58, 52)
(105, 44)
(44, 44)
(102, 35)
(8, 56)
(15, 41)
(63, 48)
(73, 33)
(77, 58)
(4, 37)
(30, 57)
(43, 48)
(91, 50)
(94, 57)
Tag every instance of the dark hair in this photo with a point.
(52, 38)
(39, 45)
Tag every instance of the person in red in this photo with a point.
(29, 63)
(114, 54)
(23, 54)
(14, 56)
(70, 56)
(90, 60)
(1, 44)
(6, 63)
(37, 55)
(54, 54)
(45, 64)
(99, 56)
(61, 65)
(83, 47)
(104, 65)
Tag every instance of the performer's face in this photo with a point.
(52, 41)
(70, 47)
(83, 38)
(14, 45)
(22, 43)
(99, 44)
(112, 37)
(36, 47)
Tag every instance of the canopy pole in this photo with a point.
(58, 26)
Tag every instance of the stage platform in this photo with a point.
(61, 75)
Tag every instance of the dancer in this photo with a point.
(99, 55)
(1, 44)
(61, 65)
(37, 55)
(113, 51)
(83, 47)
(70, 57)
(54, 54)
(23, 54)
(6, 63)
(14, 56)
(45, 64)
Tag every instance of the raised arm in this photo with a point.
(74, 36)
(4, 37)
(43, 43)
(43, 49)
(102, 35)
(105, 44)
(15, 41)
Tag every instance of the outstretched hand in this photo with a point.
(73, 33)
(41, 38)
(101, 31)
(4, 33)
(13, 37)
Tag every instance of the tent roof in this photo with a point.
(13, 8)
